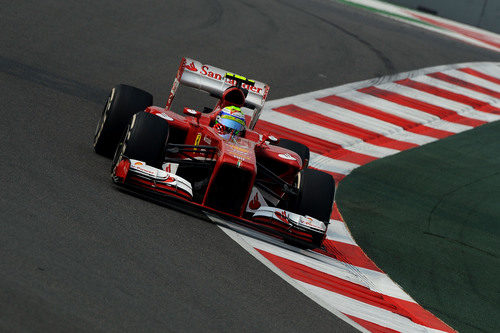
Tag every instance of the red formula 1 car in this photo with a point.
(251, 178)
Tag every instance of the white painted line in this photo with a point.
(411, 114)
(337, 231)
(473, 79)
(412, 137)
(491, 71)
(363, 121)
(484, 67)
(372, 150)
(238, 238)
(460, 108)
(366, 311)
(329, 164)
(346, 141)
(404, 112)
(309, 129)
(449, 127)
(374, 280)
(456, 89)
(350, 117)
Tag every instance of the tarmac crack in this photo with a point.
(429, 217)
(52, 81)
(387, 62)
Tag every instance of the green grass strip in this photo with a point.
(430, 218)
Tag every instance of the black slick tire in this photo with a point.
(316, 195)
(315, 199)
(123, 102)
(145, 140)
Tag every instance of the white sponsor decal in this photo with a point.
(219, 75)
(170, 167)
(162, 176)
(290, 218)
(143, 168)
(312, 223)
(165, 116)
(287, 157)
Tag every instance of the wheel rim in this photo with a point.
(120, 149)
(104, 116)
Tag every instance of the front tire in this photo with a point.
(315, 199)
(123, 102)
(316, 195)
(145, 140)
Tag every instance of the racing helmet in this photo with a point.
(230, 122)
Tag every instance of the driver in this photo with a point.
(230, 122)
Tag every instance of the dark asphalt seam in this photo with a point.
(387, 62)
(429, 217)
(52, 81)
(270, 20)
(214, 15)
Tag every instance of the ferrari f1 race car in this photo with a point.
(201, 163)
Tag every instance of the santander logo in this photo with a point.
(192, 67)
(255, 203)
(216, 74)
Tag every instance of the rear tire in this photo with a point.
(145, 140)
(123, 102)
(298, 148)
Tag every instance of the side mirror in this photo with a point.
(273, 139)
(269, 138)
(193, 113)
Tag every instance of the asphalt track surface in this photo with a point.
(76, 254)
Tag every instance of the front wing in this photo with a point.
(174, 191)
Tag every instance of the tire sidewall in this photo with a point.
(123, 102)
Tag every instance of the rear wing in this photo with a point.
(213, 80)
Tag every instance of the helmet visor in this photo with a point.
(226, 125)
